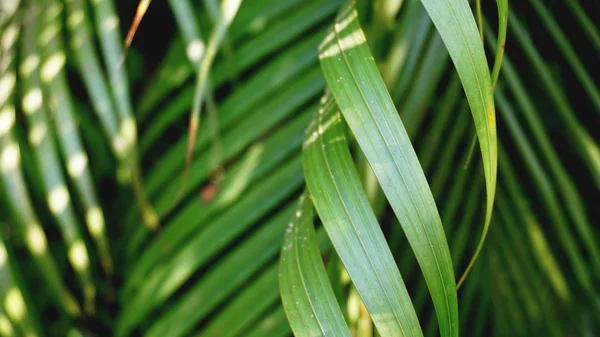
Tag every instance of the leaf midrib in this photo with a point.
(319, 116)
(396, 164)
(294, 237)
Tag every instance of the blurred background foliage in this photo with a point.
(101, 237)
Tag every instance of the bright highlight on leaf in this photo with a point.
(45, 151)
(363, 99)
(376, 262)
(352, 226)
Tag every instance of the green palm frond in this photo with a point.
(367, 113)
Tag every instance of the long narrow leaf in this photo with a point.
(40, 135)
(501, 43)
(189, 28)
(76, 159)
(107, 28)
(284, 30)
(232, 272)
(163, 281)
(455, 23)
(306, 293)
(568, 52)
(227, 13)
(13, 182)
(261, 159)
(275, 324)
(351, 224)
(586, 23)
(89, 67)
(578, 135)
(248, 305)
(365, 102)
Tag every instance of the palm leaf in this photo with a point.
(357, 86)
(305, 289)
(212, 268)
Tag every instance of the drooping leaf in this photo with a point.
(357, 86)
(90, 69)
(456, 25)
(306, 293)
(287, 26)
(265, 157)
(547, 193)
(167, 277)
(274, 324)
(351, 224)
(501, 43)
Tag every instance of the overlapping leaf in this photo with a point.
(351, 224)
(365, 102)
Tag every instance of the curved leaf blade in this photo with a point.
(502, 26)
(306, 293)
(351, 224)
(456, 25)
(227, 13)
(366, 104)
(360, 92)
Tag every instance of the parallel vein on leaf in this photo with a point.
(352, 222)
(312, 307)
(396, 164)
